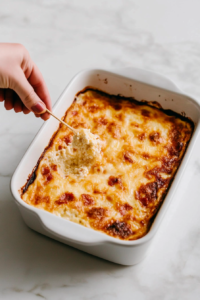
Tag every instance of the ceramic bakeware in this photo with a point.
(133, 82)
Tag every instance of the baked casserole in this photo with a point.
(114, 175)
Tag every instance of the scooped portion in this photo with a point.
(78, 157)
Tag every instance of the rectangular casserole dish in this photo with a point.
(141, 85)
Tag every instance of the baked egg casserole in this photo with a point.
(113, 175)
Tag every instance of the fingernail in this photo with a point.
(38, 108)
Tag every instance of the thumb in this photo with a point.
(27, 94)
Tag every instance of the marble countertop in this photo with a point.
(64, 37)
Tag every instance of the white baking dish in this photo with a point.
(142, 85)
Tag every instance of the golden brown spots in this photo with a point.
(65, 198)
(112, 180)
(45, 170)
(154, 137)
(168, 164)
(145, 113)
(72, 180)
(120, 117)
(118, 229)
(99, 192)
(146, 193)
(93, 108)
(74, 113)
(124, 208)
(68, 139)
(114, 129)
(142, 136)
(155, 172)
(96, 169)
(49, 177)
(145, 155)
(117, 106)
(175, 148)
(134, 125)
(47, 174)
(109, 198)
(102, 121)
(54, 167)
(177, 144)
(87, 199)
(87, 98)
(127, 157)
(80, 124)
(96, 213)
(41, 199)
(174, 134)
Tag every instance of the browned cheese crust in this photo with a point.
(142, 150)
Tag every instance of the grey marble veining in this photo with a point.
(64, 37)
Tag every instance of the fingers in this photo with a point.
(37, 116)
(25, 110)
(12, 100)
(8, 104)
(27, 94)
(1, 95)
(45, 116)
(18, 105)
(37, 82)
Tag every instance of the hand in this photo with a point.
(22, 86)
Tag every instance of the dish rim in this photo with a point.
(163, 208)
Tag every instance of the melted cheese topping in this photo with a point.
(118, 185)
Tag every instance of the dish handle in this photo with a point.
(66, 230)
(148, 77)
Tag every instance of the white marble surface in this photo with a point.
(64, 37)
